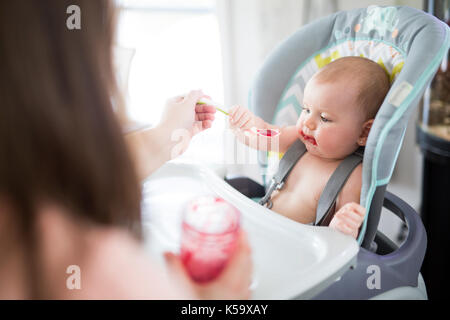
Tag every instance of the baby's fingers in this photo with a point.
(240, 113)
(350, 221)
(358, 210)
(244, 121)
(233, 111)
(236, 113)
(356, 207)
(350, 215)
(342, 227)
(347, 229)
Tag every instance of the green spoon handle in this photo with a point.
(212, 103)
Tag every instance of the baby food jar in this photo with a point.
(210, 231)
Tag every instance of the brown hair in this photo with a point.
(59, 138)
(371, 80)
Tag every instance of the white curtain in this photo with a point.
(252, 28)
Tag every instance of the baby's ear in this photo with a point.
(362, 140)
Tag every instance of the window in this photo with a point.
(177, 48)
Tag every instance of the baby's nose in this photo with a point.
(310, 124)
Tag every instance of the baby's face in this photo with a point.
(331, 122)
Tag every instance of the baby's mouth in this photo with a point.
(308, 138)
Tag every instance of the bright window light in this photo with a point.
(177, 49)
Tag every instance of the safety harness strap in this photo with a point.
(327, 200)
(287, 162)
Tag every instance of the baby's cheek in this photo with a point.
(336, 141)
(299, 124)
(330, 137)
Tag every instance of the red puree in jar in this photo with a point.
(209, 235)
(268, 132)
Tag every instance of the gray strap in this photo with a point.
(334, 186)
(287, 162)
(289, 159)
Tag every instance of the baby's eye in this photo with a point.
(324, 119)
(306, 110)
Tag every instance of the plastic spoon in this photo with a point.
(262, 132)
(216, 105)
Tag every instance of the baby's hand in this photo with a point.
(241, 118)
(349, 218)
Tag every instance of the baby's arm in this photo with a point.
(242, 120)
(349, 214)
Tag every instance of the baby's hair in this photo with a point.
(370, 78)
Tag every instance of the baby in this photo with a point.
(339, 106)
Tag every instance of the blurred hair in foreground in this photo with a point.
(60, 141)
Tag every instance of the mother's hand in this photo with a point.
(183, 113)
(182, 118)
(232, 284)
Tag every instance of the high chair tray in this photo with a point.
(291, 260)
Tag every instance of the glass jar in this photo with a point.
(209, 236)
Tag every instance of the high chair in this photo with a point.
(410, 45)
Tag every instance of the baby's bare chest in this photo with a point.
(300, 195)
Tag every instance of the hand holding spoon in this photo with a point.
(262, 132)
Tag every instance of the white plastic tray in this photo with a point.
(291, 260)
